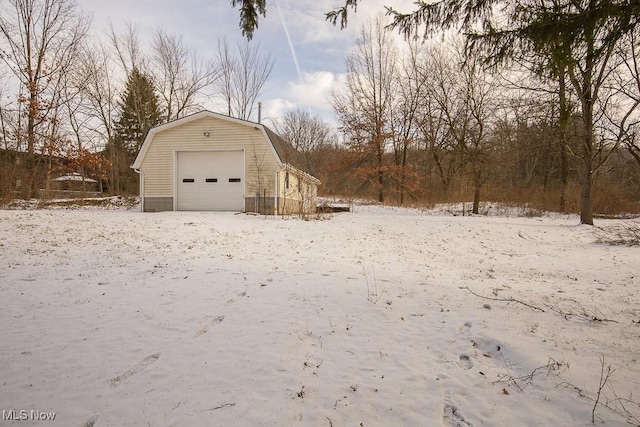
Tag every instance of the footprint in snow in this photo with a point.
(90, 422)
(208, 324)
(464, 329)
(452, 416)
(141, 366)
(487, 346)
(465, 361)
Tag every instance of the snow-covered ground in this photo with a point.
(378, 317)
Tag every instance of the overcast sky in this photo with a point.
(319, 47)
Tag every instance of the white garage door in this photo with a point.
(210, 180)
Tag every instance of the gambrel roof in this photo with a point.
(284, 152)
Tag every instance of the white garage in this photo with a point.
(210, 180)
(211, 162)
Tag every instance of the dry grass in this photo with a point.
(608, 201)
(102, 202)
(627, 234)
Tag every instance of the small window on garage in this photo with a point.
(211, 180)
(188, 180)
(235, 180)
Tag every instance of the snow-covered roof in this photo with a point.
(73, 177)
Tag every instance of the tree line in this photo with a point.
(428, 121)
(422, 123)
(583, 53)
(512, 101)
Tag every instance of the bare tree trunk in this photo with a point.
(477, 184)
(403, 172)
(565, 115)
(444, 178)
(564, 172)
(115, 169)
(586, 184)
(587, 79)
(380, 172)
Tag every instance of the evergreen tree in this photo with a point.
(139, 112)
(249, 13)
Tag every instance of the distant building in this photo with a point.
(74, 185)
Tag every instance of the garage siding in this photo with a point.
(158, 163)
(299, 196)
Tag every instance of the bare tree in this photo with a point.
(226, 65)
(40, 39)
(435, 137)
(179, 75)
(242, 77)
(404, 117)
(66, 122)
(311, 137)
(127, 48)
(304, 131)
(7, 115)
(462, 91)
(8, 119)
(364, 108)
(628, 126)
(100, 92)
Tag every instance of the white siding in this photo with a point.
(299, 196)
(158, 163)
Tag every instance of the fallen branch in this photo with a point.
(218, 407)
(523, 381)
(624, 407)
(627, 234)
(510, 299)
(301, 393)
(594, 316)
(604, 377)
(617, 405)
